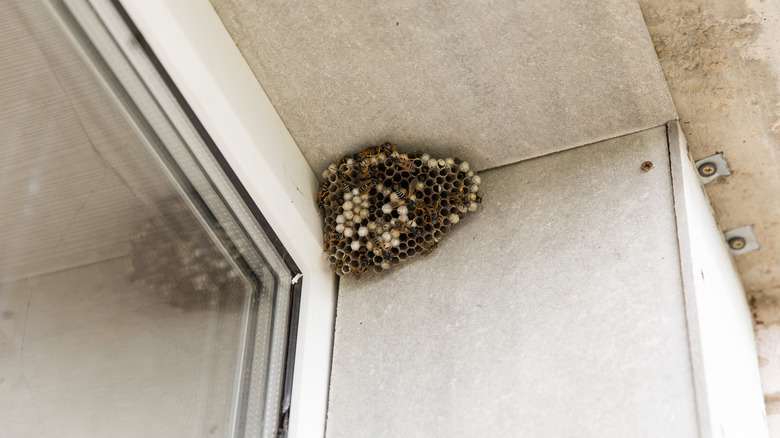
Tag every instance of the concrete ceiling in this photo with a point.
(492, 335)
(721, 59)
(492, 82)
(343, 77)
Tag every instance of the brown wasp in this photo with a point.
(427, 216)
(321, 198)
(332, 239)
(414, 231)
(379, 249)
(364, 264)
(429, 245)
(404, 198)
(466, 200)
(368, 185)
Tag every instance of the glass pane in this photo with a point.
(138, 295)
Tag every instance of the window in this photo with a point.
(141, 290)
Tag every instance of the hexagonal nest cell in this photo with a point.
(381, 207)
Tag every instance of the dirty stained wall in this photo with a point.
(721, 59)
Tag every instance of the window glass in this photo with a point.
(139, 295)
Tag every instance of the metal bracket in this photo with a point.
(741, 240)
(712, 168)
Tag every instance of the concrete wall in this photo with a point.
(563, 308)
(589, 298)
(557, 311)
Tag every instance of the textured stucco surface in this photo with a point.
(722, 61)
(503, 80)
(556, 311)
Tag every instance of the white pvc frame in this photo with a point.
(196, 50)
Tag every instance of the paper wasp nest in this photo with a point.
(381, 207)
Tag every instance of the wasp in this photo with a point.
(461, 199)
(429, 246)
(415, 231)
(342, 176)
(370, 152)
(345, 158)
(404, 164)
(380, 249)
(467, 200)
(404, 198)
(368, 170)
(364, 264)
(436, 213)
(375, 151)
(388, 148)
(332, 239)
(321, 198)
(368, 185)
(428, 216)
(346, 186)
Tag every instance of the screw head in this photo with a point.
(647, 166)
(707, 169)
(737, 243)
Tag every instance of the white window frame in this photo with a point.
(202, 59)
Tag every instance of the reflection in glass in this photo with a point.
(132, 303)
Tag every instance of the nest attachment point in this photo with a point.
(381, 207)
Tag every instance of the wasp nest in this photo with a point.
(381, 207)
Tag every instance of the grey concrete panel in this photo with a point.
(556, 311)
(502, 81)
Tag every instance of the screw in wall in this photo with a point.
(712, 168)
(741, 240)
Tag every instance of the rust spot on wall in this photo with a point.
(765, 308)
(772, 403)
